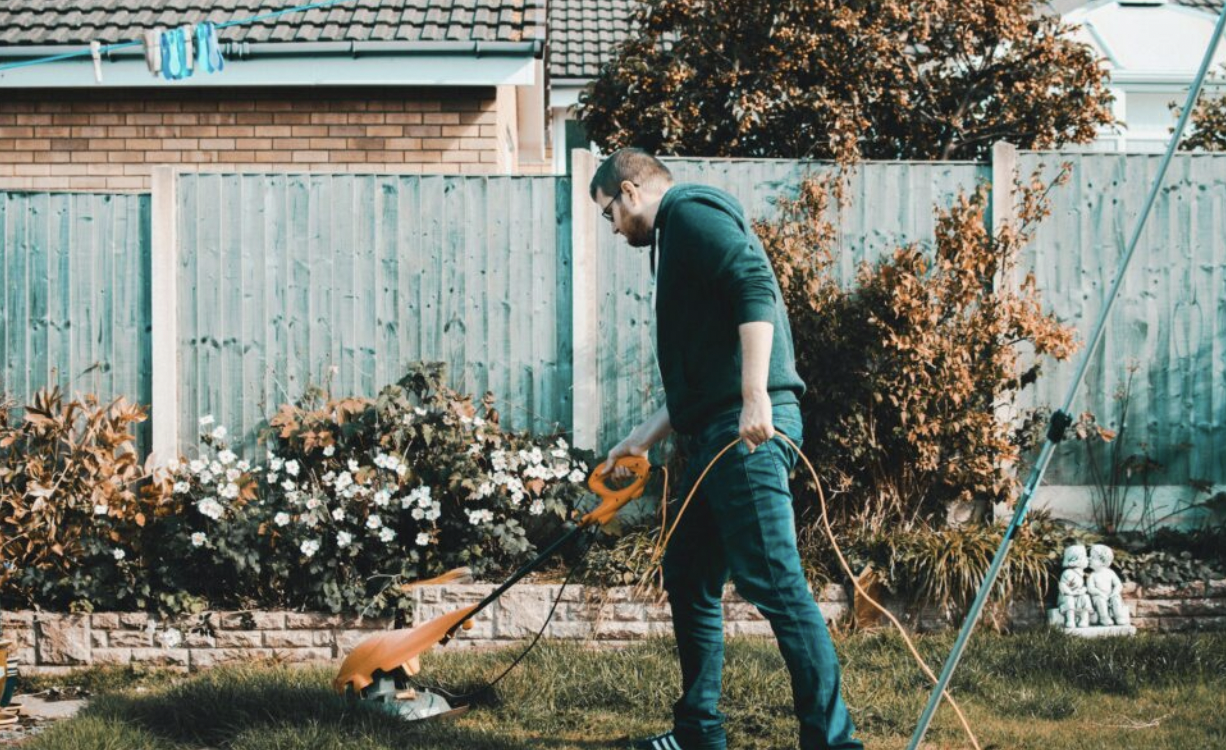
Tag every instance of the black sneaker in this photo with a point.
(664, 741)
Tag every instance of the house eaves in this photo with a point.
(311, 64)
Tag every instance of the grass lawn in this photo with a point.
(1033, 690)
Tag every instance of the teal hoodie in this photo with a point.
(713, 275)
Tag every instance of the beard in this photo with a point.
(637, 232)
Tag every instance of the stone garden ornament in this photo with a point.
(1074, 600)
(1091, 604)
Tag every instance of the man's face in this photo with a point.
(627, 210)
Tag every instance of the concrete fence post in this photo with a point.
(164, 278)
(585, 318)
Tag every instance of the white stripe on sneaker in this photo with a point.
(672, 742)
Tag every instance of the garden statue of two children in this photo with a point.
(1090, 599)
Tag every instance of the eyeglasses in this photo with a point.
(607, 211)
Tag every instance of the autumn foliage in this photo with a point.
(914, 369)
(831, 79)
(70, 508)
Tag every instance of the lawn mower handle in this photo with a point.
(612, 500)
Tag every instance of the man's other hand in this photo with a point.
(756, 420)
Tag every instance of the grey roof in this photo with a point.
(582, 34)
(78, 22)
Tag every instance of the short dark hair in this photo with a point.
(633, 164)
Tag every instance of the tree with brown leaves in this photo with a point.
(826, 79)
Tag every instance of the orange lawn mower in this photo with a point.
(380, 668)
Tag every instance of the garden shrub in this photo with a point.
(353, 498)
(911, 368)
(72, 518)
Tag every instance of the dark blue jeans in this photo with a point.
(740, 525)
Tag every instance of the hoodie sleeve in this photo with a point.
(714, 247)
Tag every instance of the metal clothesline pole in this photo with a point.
(1060, 420)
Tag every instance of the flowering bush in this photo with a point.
(354, 498)
(357, 496)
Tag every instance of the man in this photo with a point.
(725, 353)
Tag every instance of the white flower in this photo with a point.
(401, 470)
(477, 517)
(171, 638)
(197, 466)
(329, 450)
(353, 466)
(206, 420)
(198, 539)
(421, 496)
(338, 514)
(329, 477)
(560, 471)
(312, 503)
(243, 465)
(478, 421)
(418, 514)
(562, 443)
(407, 418)
(232, 475)
(420, 411)
(227, 457)
(309, 547)
(485, 490)
(386, 534)
(230, 491)
(537, 507)
(344, 480)
(216, 468)
(288, 485)
(374, 522)
(474, 449)
(181, 487)
(101, 510)
(118, 554)
(577, 476)
(291, 468)
(343, 538)
(382, 498)
(558, 453)
(281, 518)
(434, 512)
(422, 539)
(211, 508)
(276, 464)
(466, 420)
(206, 477)
(220, 432)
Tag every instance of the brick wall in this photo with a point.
(48, 642)
(106, 140)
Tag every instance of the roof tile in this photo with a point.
(78, 22)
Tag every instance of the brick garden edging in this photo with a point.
(51, 642)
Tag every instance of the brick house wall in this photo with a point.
(110, 140)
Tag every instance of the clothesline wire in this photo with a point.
(106, 48)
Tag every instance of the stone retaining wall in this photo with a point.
(47, 642)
